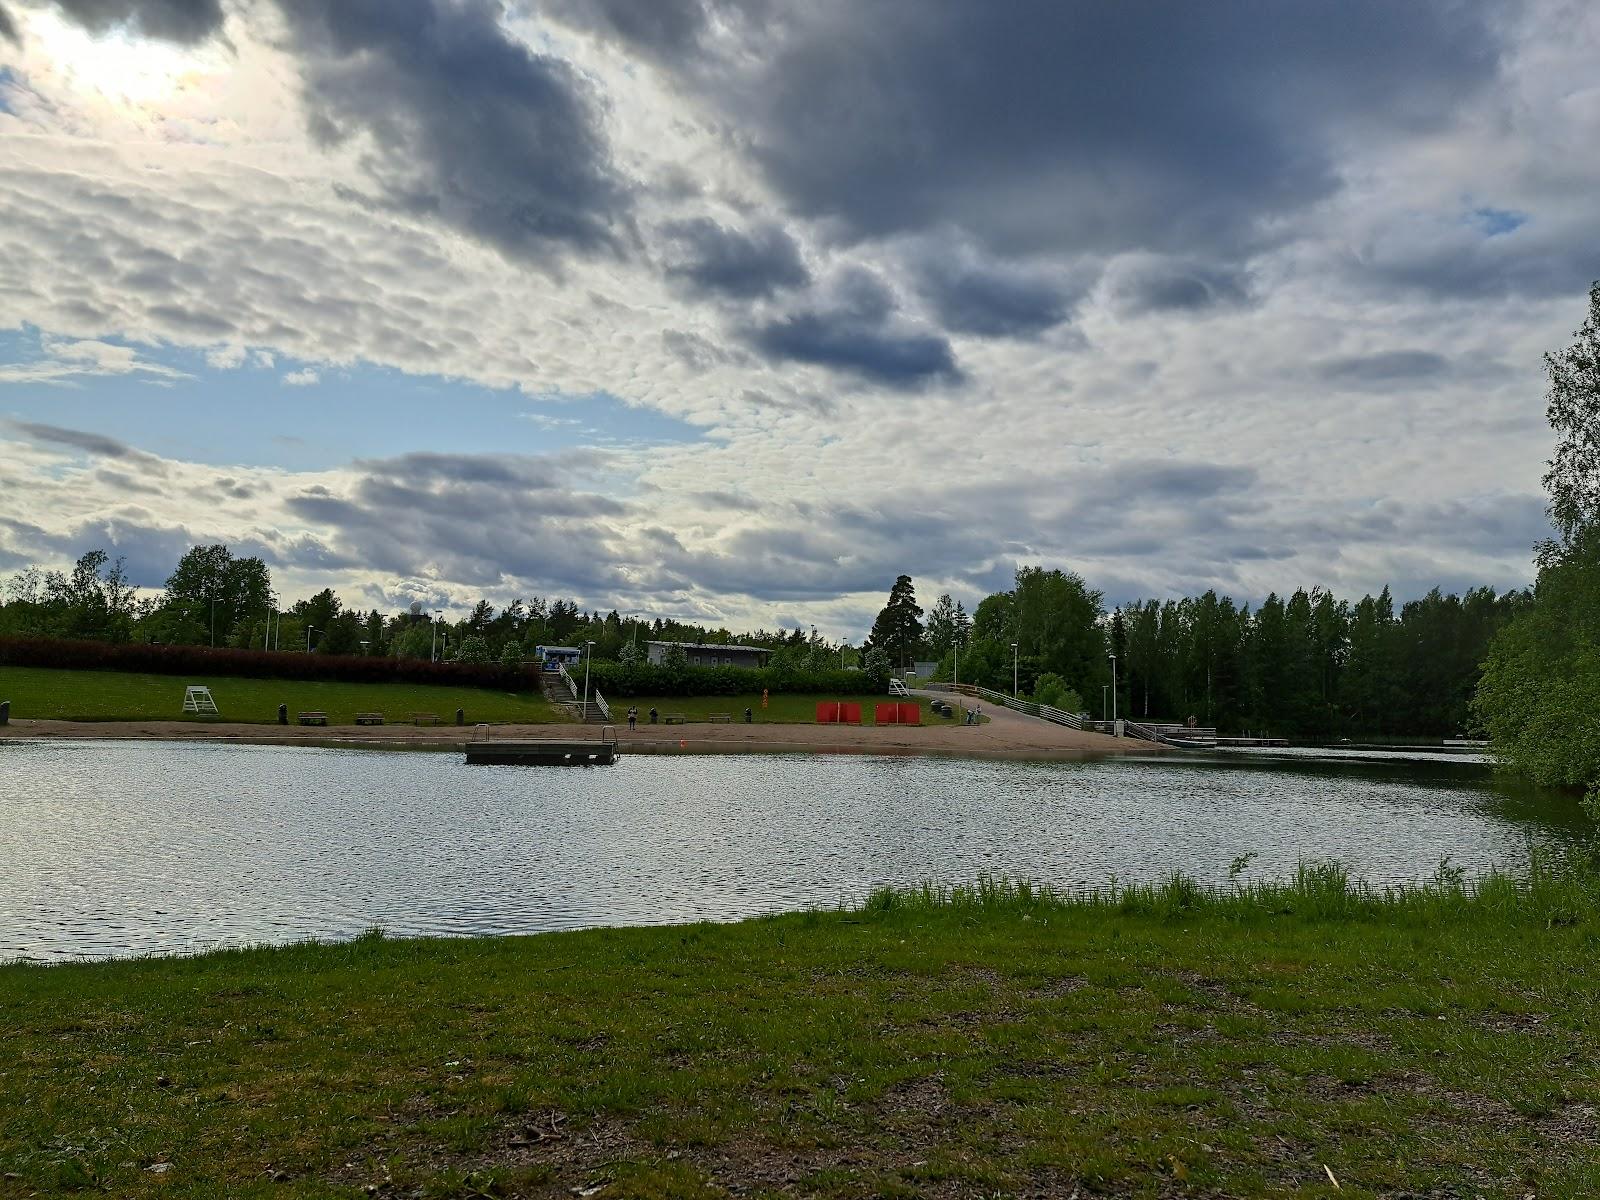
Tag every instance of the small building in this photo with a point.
(751, 658)
(568, 655)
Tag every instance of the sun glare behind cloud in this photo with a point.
(123, 71)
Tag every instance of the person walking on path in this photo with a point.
(633, 717)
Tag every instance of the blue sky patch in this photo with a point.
(275, 412)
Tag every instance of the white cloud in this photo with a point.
(65, 362)
(204, 217)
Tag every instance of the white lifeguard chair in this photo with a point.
(197, 699)
(897, 687)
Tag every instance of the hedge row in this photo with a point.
(611, 678)
(614, 679)
(254, 664)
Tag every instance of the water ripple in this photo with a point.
(118, 848)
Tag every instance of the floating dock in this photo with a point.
(541, 754)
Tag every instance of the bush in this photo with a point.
(1054, 691)
(254, 664)
(645, 679)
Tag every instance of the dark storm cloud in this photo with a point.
(8, 27)
(990, 299)
(462, 122)
(652, 27)
(711, 259)
(1383, 370)
(474, 520)
(90, 443)
(852, 326)
(1146, 285)
(1459, 260)
(175, 20)
(1081, 125)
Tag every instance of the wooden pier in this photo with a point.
(541, 753)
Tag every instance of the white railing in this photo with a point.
(1045, 712)
(599, 701)
(571, 687)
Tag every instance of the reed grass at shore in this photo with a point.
(1309, 1037)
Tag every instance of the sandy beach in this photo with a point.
(1006, 735)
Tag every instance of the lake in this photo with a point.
(122, 848)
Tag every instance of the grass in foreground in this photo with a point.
(782, 709)
(47, 694)
(1291, 1041)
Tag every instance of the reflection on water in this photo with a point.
(119, 848)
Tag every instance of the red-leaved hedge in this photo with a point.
(254, 664)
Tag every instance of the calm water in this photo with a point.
(126, 848)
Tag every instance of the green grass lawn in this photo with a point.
(1162, 1043)
(118, 696)
(781, 708)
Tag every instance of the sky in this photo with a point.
(733, 310)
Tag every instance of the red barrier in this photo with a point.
(828, 712)
(849, 714)
(899, 714)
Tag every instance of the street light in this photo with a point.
(588, 653)
(310, 629)
(434, 653)
(1013, 670)
(1113, 659)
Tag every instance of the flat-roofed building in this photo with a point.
(751, 658)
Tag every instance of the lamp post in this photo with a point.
(433, 655)
(1103, 709)
(588, 653)
(310, 629)
(213, 621)
(1013, 670)
(1113, 659)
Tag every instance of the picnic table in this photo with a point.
(313, 718)
(674, 719)
(720, 718)
(424, 718)
(369, 718)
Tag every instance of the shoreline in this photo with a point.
(1007, 735)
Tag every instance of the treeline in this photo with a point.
(1540, 694)
(1310, 666)
(216, 599)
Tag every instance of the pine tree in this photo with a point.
(898, 629)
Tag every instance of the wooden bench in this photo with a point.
(720, 718)
(313, 718)
(425, 718)
(673, 719)
(369, 718)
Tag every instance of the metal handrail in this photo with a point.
(605, 709)
(571, 686)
